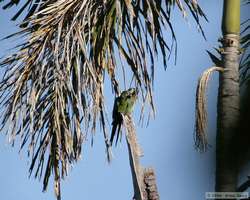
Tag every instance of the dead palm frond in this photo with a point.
(201, 142)
(52, 89)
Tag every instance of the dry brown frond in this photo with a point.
(201, 142)
(52, 89)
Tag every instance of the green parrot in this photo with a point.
(123, 105)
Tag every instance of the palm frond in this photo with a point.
(245, 45)
(29, 7)
(245, 61)
(52, 90)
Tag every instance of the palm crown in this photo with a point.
(52, 89)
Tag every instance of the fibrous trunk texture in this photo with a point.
(151, 191)
(144, 181)
(228, 116)
(134, 159)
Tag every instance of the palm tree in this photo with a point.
(228, 100)
(230, 136)
(52, 89)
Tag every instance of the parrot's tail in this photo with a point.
(113, 132)
(118, 134)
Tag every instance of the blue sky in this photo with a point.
(167, 141)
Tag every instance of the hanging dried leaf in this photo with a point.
(201, 142)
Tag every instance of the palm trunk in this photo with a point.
(228, 100)
(134, 159)
(144, 181)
